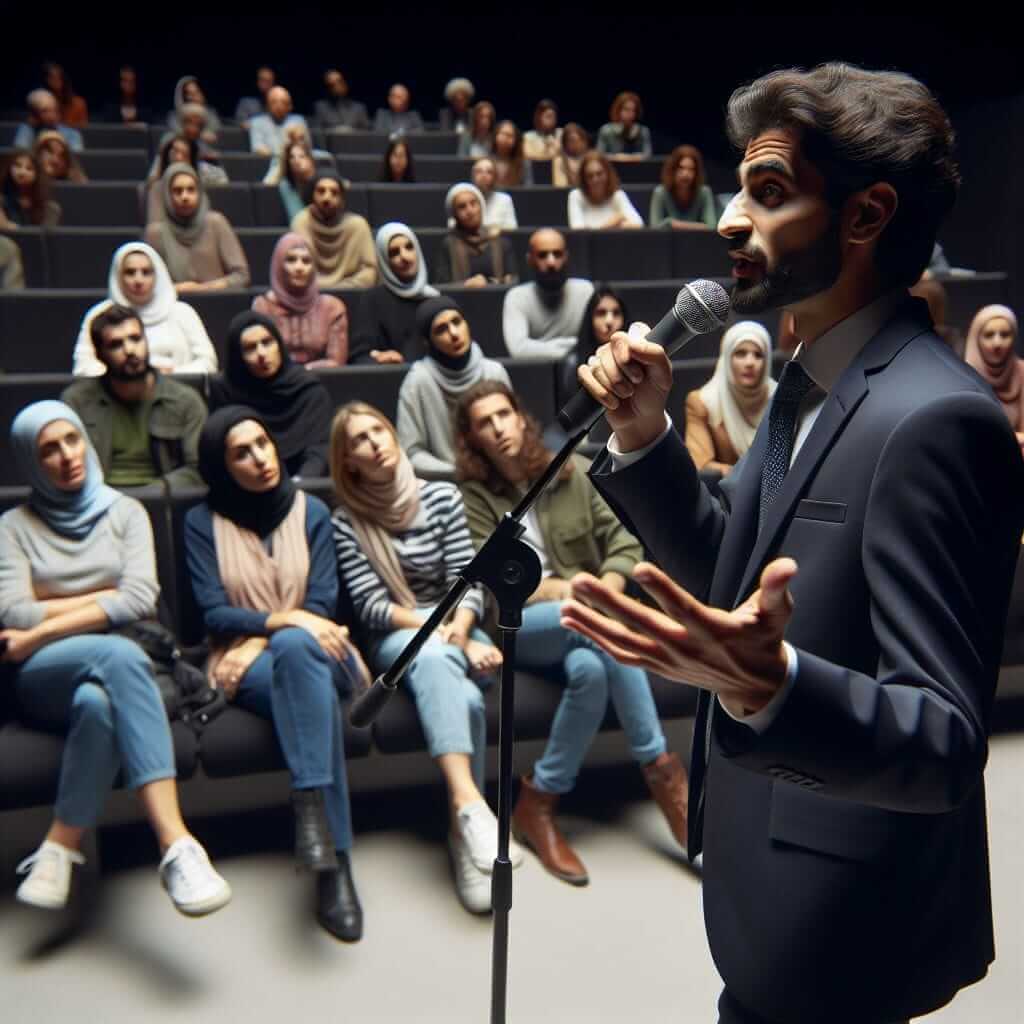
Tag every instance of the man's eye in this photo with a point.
(769, 192)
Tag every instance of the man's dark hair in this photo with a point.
(860, 127)
(112, 316)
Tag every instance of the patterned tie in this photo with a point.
(793, 386)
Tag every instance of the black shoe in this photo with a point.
(337, 902)
(314, 847)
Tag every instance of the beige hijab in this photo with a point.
(1006, 380)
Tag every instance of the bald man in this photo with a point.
(267, 132)
(44, 116)
(542, 318)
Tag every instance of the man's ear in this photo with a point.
(866, 213)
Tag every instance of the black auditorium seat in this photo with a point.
(377, 384)
(439, 169)
(115, 136)
(621, 254)
(230, 139)
(416, 205)
(343, 143)
(80, 257)
(98, 203)
(540, 205)
(699, 254)
(640, 172)
(39, 327)
(234, 201)
(243, 165)
(114, 164)
(535, 381)
(640, 197)
(218, 309)
(32, 244)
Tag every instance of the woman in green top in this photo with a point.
(683, 201)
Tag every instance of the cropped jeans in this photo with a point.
(590, 678)
(100, 691)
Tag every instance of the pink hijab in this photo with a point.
(1007, 379)
(298, 302)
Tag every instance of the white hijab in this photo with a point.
(164, 297)
(739, 410)
(417, 288)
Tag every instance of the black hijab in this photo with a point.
(293, 404)
(261, 513)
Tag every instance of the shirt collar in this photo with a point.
(827, 358)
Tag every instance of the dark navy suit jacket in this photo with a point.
(845, 855)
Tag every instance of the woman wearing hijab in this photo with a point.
(471, 254)
(199, 246)
(990, 350)
(76, 561)
(453, 364)
(400, 543)
(314, 326)
(722, 417)
(176, 149)
(388, 332)
(261, 560)
(54, 156)
(188, 93)
(294, 404)
(177, 339)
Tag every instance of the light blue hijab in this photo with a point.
(69, 513)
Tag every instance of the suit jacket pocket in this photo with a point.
(823, 511)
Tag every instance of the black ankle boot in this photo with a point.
(337, 902)
(314, 847)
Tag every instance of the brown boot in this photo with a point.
(533, 822)
(666, 779)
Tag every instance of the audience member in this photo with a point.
(76, 561)
(295, 133)
(12, 273)
(44, 115)
(565, 168)
(542, 317)
(934, 293)
(53, 155)
(26, 194)
(387, 331)
(624, 138)
(292, 403)
(605, 313)
(176, 339)
(991, 341)
(454, 117)
(189, 94)
(683, 200)
(73, 109)
(599, 202)
(177, 149)
(127, 108)
(198, 244)
(499, 210)
(510, 166)
(396, 116)
(338, 112)
(314, 327)
(143, 424)
(253, 106)
(544, 140)
(298, 169)
(267, 131)
(400, 543)
(453, 364)
(470, 254)
(572, 530)
(397, 165)
(340, 240)
(722, 416)
(478, 139)
(261, 561)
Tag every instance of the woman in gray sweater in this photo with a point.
(76, 561)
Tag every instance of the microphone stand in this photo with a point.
(510, 569)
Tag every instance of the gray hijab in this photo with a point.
(179, 235)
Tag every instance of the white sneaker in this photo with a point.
(472, 885)
(192, 883)
(49, 876)
(479, 832)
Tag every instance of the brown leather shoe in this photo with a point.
(533, 822)
(667, 781)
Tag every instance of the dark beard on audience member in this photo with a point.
(551, 281)
(800, 276)
(126, 374)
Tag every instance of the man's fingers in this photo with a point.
(585, 375)
(622, 644)
(637, 618)
(775, 598)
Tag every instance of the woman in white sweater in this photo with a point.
(139, 279)
(499, 210)
(599, 202)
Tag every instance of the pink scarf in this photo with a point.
(1007, 379)
(297, 301)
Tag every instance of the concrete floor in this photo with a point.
(630, 947)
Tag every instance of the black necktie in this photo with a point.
(793, 386)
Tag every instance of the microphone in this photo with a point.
(701, 307)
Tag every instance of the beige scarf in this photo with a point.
(335, 257)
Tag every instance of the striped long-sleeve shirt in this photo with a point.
(431, 552)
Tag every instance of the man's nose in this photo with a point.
(734, 220)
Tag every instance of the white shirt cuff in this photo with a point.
(759, 721)
(620, 459)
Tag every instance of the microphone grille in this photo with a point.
(702, 306)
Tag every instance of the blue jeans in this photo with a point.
(100, 690)
(591, 676)
(295, 685)
(449, 703)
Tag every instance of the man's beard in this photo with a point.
(552, 281)
(125, 374)
(808, 272)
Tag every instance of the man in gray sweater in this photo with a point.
(542, 318)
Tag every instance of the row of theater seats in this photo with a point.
(119, 204)
(38, 327)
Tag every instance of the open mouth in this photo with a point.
(743, 268)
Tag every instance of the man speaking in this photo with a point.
(845, 597)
